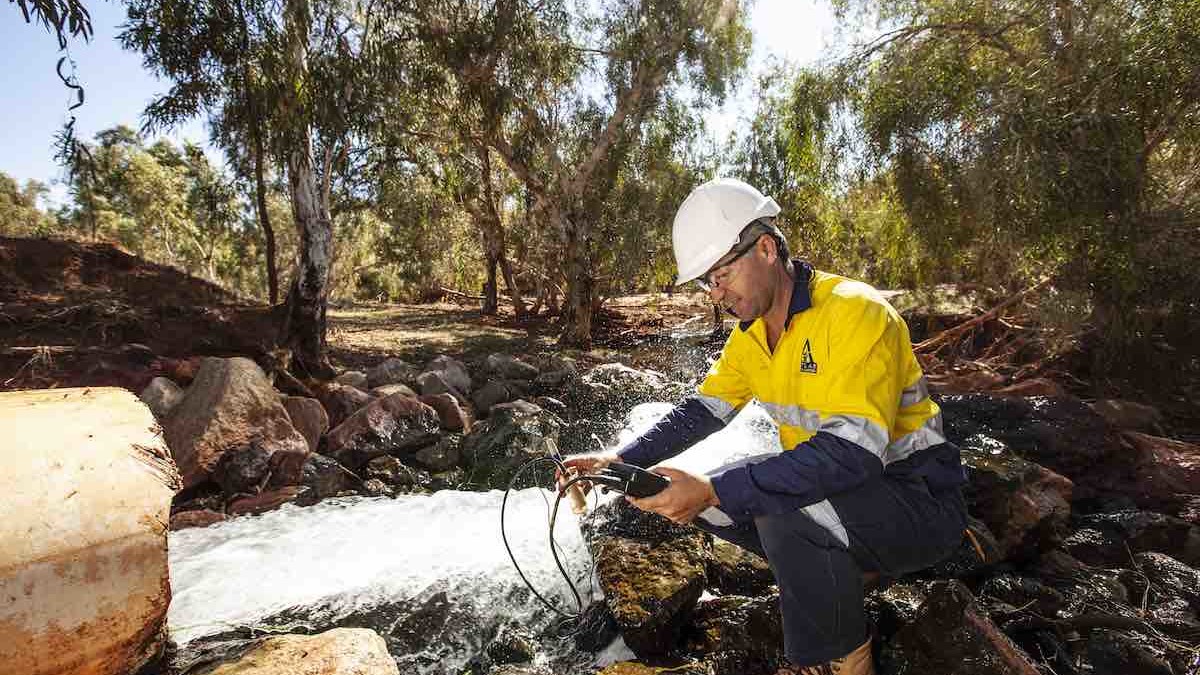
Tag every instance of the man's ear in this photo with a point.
(767, 246)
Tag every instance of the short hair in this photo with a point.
(767, 226)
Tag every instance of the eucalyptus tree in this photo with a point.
(558, 89)
(283, 79)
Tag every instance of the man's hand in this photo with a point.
(683, 500)
(587, 463)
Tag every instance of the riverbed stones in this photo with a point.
(1107, 539)
(309, 418)
(453, 372)
(444, 455)
(495, 392)
(513, 434)
(389, 389)
(341, 651)
(265, 501)
(395, 424)
(231, 405)
(327, 478)
(734, 570)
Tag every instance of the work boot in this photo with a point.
(857, 662)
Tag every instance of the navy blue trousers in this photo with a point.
(892, 525)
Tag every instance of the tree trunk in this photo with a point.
(264, 219)
(304, 324)
(581, 287)
(513, 291)
(490, 303)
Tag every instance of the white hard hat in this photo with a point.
(708, 222)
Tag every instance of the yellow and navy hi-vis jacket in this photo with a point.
(844, 388)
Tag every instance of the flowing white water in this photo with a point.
(349, 557)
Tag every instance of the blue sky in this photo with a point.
(33, 102)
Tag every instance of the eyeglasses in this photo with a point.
(721, 274)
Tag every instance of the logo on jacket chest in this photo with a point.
(807, 364)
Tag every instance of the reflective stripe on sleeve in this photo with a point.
(827, 517)
(914, 394)
(927, 435)
(858, 430)
(719, 407)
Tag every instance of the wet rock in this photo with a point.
(1164, 473)
(513, 434)
(620, 377)
(893, 607)
(161, 395)
(552, 404)
(340, 651)
(230, 406)
(393, 472)
(454, 373)
(353, 378)
(1024, 592)
(325, 477)
(597, 628)
(243, 469)
(1171, 575)
(1130, 415)
(552, 380)
(951, 635)
(389, 389)
(737, 634)
(520, 669)
(508, 367)
(734, 570)
(1108, 539)
(265, 501)
(450, 413)
(443, 455)
(373, 487)
(496, 392)
(396, 424)
(1111, 652)
(341, 401)
(452, 479)
(674, 667)
(199, 518)
(651, 571)
(393, 371)
(1025, 505)
(512, 644)
(309, 418)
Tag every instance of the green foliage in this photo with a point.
(19, 212)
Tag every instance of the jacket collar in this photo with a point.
(801, 294)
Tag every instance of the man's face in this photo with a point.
(740, 287)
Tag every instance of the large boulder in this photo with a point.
(734, 570)
(453, 416)
(514, 434)
(231, 406)
(952, 635)
(341, 651)
(1025, 505)
(652, 573)
(1163, 474)
(396, 424)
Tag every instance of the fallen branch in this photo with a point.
(937, 341)
(460, 294)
